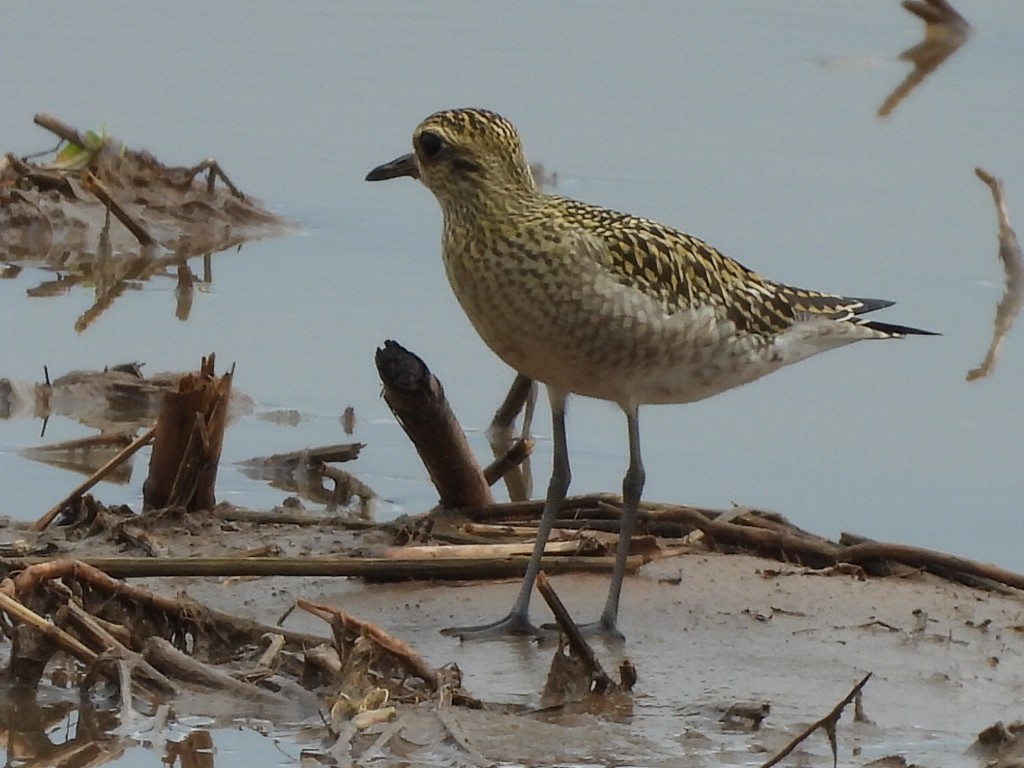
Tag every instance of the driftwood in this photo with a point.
(187, 445)
(95, 186)
(751, 531)
(828, 722)
(1013, 275)
(508, 462)
(134, 636)
(417, 399)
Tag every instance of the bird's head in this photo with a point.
(461, 154)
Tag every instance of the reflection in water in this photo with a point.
(101, 214)
(106, 400)
(31, 736)
(307, 472)
(87, 455)
(1013, 269)
(74, 734)
(116, 401)
(945, 31)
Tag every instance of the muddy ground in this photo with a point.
(705, 632)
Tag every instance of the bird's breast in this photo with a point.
(571, 323)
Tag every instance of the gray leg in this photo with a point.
(632, 488)
(518, 620)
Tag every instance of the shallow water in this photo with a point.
(750, 125)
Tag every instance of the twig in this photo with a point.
(828, 722)
(579, 646)
(98, 475)
(512, 458)
(58, 128)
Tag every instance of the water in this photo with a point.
(751, 125)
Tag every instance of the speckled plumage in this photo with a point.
(599, 303)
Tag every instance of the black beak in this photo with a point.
(400, 166)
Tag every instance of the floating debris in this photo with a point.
(945, 31)
(58, 215)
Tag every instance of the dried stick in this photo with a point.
(95, 186)
(828, 722)
(495, 551)
(410, 660)
(60, 129)
(377, 569)
(602, 683)
(98, 475)
(13, 608)
(518, 453)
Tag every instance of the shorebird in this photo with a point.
(598, 303)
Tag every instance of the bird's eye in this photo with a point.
(430, 144)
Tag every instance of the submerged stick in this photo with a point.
(98, 475)
(828, 722)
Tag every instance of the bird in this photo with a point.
(602, 304)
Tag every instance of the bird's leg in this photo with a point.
(632, 488)
(517, 622)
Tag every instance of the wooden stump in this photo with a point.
(187, 446)
(417, 399)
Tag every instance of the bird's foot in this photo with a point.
(603, 628)
(513, 624)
